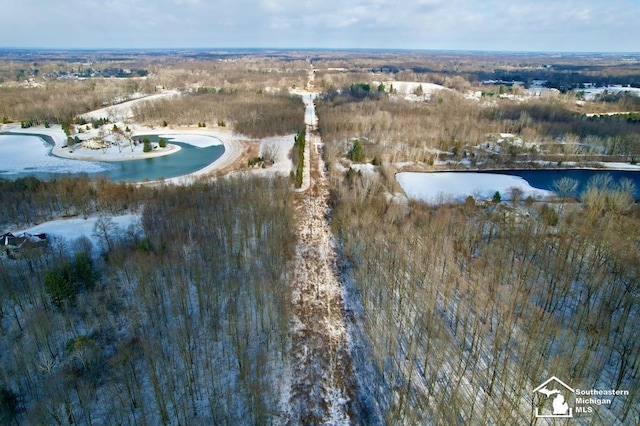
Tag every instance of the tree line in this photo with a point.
(59, 101)
(297, 158)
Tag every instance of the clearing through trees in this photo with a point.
(322, 389)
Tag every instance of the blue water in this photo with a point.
(544, 179)
(187, 160)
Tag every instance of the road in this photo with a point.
(321, 392)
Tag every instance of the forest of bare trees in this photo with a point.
(462, 310)
(402, 130)
(255, 114)
(48, 98)
(399, 130)
(57, 101)
(186, 323)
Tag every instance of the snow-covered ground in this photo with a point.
(621, 166)
(200, 140)
(591, 93)
(364, 168)
(277, 147)
(456, 186)
(408, 87)
(310, 117)
(367, 169)
(87, 156)
(69, 230)
(410, 90)
(126, 151)
(124, 110)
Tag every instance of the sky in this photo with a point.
(494, 25)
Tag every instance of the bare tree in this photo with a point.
(565, 187)
(270, 153)
(106, 230)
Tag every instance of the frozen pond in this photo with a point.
(437, 187)
(441, 187)
(24, 155)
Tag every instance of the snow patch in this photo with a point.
(410, 87)
(277, 147)
(69, 230)
(364, 168)
(124, 110)
(198, 140)
(621, 166)
(456, 186)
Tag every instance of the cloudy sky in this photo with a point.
(513, 25)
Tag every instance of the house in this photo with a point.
(94, 143)
(29, 241)
(25, 241)
(8, 240)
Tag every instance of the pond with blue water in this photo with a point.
(445, 186)
(24, 155)
(544, 179)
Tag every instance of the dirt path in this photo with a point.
(321, 390)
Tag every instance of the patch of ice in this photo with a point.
(24, 153)
(444, 186)
(55, 132)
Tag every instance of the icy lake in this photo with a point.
(439, 187)
(30, 155)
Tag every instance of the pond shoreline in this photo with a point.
(231, 144)
(632, 169)
(455, 182)
(130, 167)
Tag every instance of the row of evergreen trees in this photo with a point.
(298, 157)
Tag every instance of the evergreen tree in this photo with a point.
(357, 152)
(58, 285)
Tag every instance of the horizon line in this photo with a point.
(321, 49)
